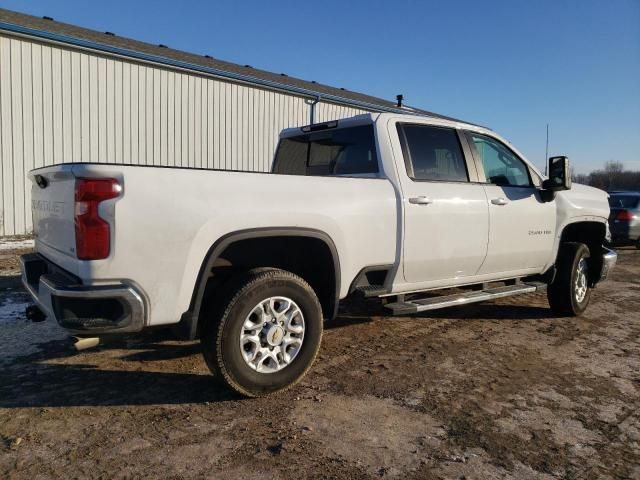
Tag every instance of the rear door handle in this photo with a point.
(420, 200)
(499, 201)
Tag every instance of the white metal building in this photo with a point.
(68, 94)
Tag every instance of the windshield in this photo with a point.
(624, 201)
(345, 151)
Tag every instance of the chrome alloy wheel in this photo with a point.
(272, 334)
(581, 282)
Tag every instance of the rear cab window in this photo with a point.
(348, 151)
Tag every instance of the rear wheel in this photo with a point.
(569, 293)
(268, 332)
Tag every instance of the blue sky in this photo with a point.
(510, 65)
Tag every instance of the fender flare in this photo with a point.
(187, 328)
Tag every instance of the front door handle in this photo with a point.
(420, 200)
(499, 201)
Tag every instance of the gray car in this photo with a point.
(624, 219)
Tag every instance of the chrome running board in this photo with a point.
(417, 305)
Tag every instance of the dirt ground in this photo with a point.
(496, 390)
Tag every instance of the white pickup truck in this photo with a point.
(386, 205)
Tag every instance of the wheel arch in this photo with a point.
(188, 326)
(592, 233)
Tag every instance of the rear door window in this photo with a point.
(344, 151)
(433, 153)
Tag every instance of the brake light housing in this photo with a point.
(625, 216)
(93, 233)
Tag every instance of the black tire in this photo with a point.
(562, 292)
(220, 339)
(638, 244)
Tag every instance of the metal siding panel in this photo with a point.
(37, 106)
(57, 112)
(17, 137)
(190, 121)
(227, 126)
(94, 109)
(241, 162)
(110, 118)
(117, 113)
(184, 125)
(177, 128)
(149, 113)
(197, 122)
(204, 104)
(164, 107)
(217, 119)
(235, 144)
(126, 113)
(27, 130)
(258, 121)
(6, 137)
(251, 141)
(135, 120)
(157, 156)
(76, 108)
(103, 126)
(142, 116)
(171, 120)
(210, 125)
(85, 111)
(47, 99)
(67, 115)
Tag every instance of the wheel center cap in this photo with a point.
(275, 334)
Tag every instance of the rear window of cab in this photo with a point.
(343, 151)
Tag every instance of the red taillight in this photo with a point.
(625, 216)
(92, 232)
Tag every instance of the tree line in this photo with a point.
(610, 178)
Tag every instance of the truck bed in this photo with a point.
(167, 219)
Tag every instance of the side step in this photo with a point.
(369, 291)
(432, 303)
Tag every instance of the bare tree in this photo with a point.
(612, 177)
(613, 167)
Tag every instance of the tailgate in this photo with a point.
(52, 204)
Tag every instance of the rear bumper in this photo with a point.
(609, 259)
(114, 308)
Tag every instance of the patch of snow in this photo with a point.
(8, 244)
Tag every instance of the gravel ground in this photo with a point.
(496, 390)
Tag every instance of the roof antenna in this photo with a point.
(546, 153)
(399, 98)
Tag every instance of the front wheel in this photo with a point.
(268, 333)
(569, 293)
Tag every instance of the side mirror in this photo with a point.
(559, 175)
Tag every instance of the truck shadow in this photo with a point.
(47, 378)
(55, 385)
